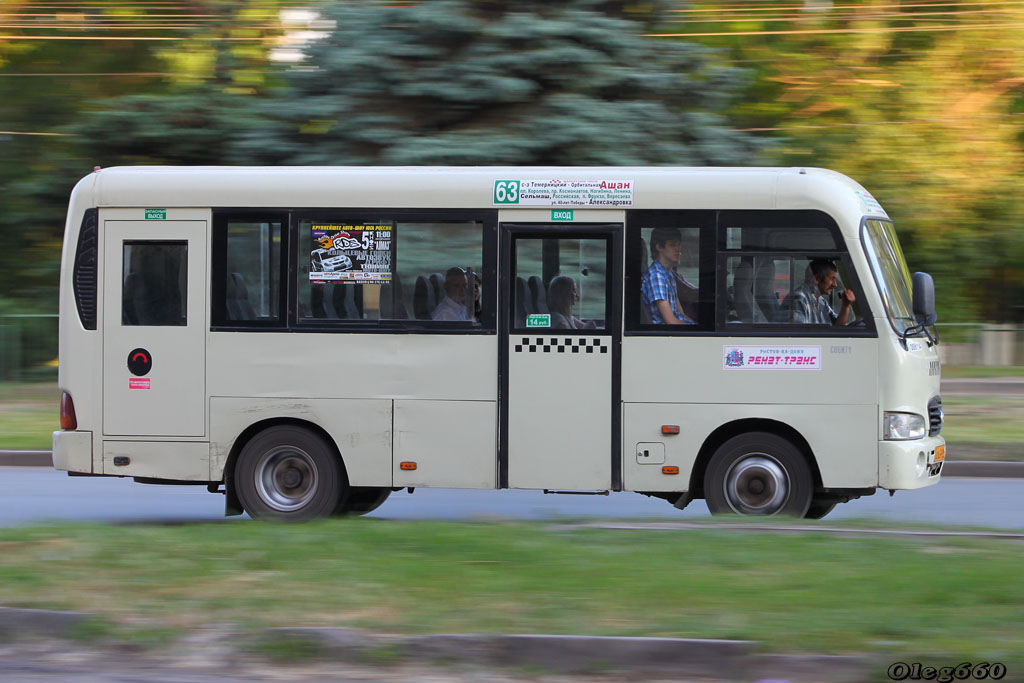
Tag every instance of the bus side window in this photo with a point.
(670, 254)
(381, 267)
(154, 284)
(247, 254)
(767, 257)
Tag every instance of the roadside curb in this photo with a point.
(26, 459)
(16, 621)
(566, 654)
(983, 468)
(961, 468)
(681, 657)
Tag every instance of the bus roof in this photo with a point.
(426, 187)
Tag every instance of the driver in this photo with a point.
(809, 303)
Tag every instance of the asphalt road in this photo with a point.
(37, 495)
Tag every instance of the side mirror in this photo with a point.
(924, 299)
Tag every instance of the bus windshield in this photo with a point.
(891, 273)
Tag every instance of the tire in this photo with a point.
(758, 474)
(289, 474)
(819, 508)
(362, 500)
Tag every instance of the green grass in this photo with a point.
(29, 413)
(806, 592)
(984, 427)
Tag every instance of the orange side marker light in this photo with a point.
(407, 465)
(669, 429)
(670, 469)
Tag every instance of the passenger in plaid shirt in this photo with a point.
(658, 286)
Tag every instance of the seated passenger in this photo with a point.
(451, 308)
(562, 296)
(476, 297)
(658, 286)
(809, 304)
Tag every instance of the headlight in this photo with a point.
(903, 426)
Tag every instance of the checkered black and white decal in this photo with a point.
(562, 345)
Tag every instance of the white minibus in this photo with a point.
(752, 337)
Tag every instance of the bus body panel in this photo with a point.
(450, 367)
(173, 460)
(82, 380)
(168, 398)
(359, 428)
(423, 187)
(840, 437)
(72, 451)
(696, 370)
(908, 464)
(558, 383)
(448, 444)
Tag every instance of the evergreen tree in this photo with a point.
(462, 82)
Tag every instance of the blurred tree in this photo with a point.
(920, 102)
(463, 82)
(37, 162)
(50, 82)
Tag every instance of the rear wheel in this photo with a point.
(288, 473)
(758, 474)
(362, 500)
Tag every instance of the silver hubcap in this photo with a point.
(286, 478)
(756, 485)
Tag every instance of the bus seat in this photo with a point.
(317, 304)
(231, 299)
(348, 301)
(392, 300)
(243, 307)
(538, 294)
(401, 311)
(129, 293)
(764, 292)
(182, 301)
(423, 301)
(437, 286)
(521, 297)
(146, 304)
(743, 291)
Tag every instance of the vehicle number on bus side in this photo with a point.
(506, 191)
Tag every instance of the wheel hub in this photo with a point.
(286, 478)
(291, 478)
(756, 485)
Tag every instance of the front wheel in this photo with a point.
(758, 474)
(288, 473)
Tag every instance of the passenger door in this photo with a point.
(561, 337)
(154, 324)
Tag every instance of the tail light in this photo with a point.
(68, 421)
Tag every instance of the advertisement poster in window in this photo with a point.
(351, 254)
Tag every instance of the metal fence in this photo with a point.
(28, 346)
(984, 344)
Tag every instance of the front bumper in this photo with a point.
(909, 464)
(72, 451)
